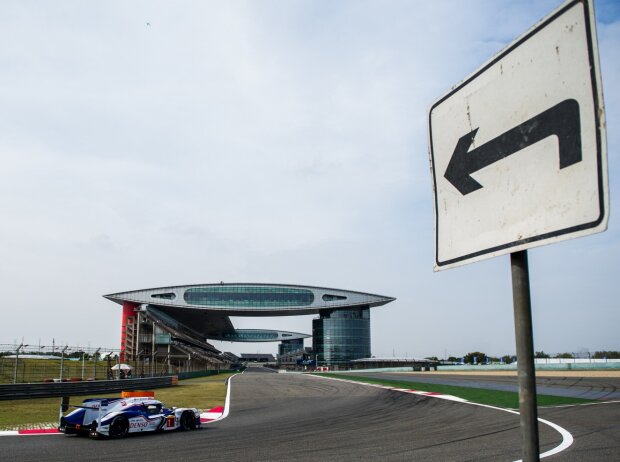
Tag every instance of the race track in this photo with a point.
(304, 418)
(600, 388)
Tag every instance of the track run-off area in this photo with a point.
(299, 417)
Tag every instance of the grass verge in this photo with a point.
(202, 392)
(505, 399)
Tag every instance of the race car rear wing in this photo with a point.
(99, 404)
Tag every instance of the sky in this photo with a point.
(153, 143)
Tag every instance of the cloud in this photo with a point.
(268, 142)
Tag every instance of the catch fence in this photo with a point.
(32, 364)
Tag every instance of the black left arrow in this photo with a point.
(561, 120)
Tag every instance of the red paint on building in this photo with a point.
(128, 312)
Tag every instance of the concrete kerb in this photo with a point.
(219, 413)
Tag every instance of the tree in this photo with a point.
(475, 357)
(565, 355)
(606, 355)
(541, 354)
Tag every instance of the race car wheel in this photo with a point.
(187, 421)
(119, 427)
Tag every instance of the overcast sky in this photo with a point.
(146, 144)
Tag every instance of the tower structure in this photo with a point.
(171, 326)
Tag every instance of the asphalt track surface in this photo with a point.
(292, 417)
(599, 388)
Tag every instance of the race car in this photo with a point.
(117, 417)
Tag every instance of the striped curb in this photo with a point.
(220, 412)
(31, 431)
(212, 414)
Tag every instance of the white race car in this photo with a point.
(117, 417)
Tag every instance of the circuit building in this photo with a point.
(169, 326)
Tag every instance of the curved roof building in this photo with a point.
(203, 310)
(250, 299)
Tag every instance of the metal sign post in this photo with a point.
(518, 158)
(525, 356)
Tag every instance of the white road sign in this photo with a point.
(518, 151)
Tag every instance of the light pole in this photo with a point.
(16, 360)
(95, 359)
(62, 360)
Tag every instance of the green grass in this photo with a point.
(203, 393)
(505, 399)
(38, 370)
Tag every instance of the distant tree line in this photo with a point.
(606, 355)
(596, 355)
(479, 357)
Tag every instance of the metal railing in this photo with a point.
(59, 389)
(36, 363)
(32, 363)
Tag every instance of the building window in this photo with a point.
(340, 336)
(166, 296)
(251, 335)
(248, 296)
(333, 298)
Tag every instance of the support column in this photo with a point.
(129, 310)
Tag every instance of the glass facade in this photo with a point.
(248, 296)
(340, 336)
(161, 336)
(333, 298)
(166, 296)
(290, 346)
(249, 335)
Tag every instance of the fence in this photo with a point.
(31, 364)
(198, 374)
(574, 361)
(50, 390)
(25, 363)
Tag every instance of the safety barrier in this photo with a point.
(197, 374)
(52, 390)
(576, 366)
